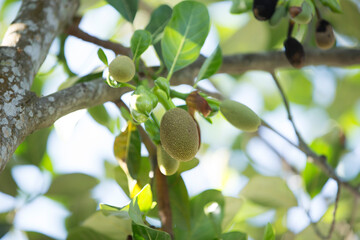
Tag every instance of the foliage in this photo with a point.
(176, 34)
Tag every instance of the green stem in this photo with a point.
(164, 100)
(183, 96)
(156, 121)
(128, 85)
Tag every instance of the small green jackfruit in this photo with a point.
(179, 134)
(167, 165)
(240, 116)
(122, 69)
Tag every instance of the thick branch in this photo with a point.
(24, 48)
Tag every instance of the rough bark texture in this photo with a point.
(27, 42)
(23, 50)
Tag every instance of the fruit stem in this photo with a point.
(128, 85)
(291, 27)
(156, 121)
(164, 100)
(183, 96)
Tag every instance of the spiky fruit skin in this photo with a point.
(324, 35)
(179, 134)
(240, 116)
(294, 52)
(122, 69)
(167, 165)
(264, 9)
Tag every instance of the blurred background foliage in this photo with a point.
(258, 178)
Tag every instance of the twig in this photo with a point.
(332, 227)
(319, 160)
(160, 179)
(75, 31)
(282, 158)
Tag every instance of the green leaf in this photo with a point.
(240, 6)
(4, 228)
(211, 65)
(231, 208)
(269, 191)
(127, 149)
(180, 207)
(72, 185)
(159, 18)
(102, 56)
(7, 182)
(141, 232)
(135, 213)
(37, 236)
(81, 207)
(32, 150)
(109, 210)
(314, 179)
(334, 5)
(153, 130)
(269, 232)
(145, 198)
(122, 180)
(207, 213)
(83, 233)
(114, 227)
(184, 35)
(233, 236)
(127, 8)
(140, 41)
(188, 165)
(101, 116)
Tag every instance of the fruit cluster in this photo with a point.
(300, 12)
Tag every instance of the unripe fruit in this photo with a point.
(240, 116)
(264, 9)
(167, 165)
(324, 35)
(301, 15)
(122, 69)
(280, 12)
(294, 52)
(179, 134)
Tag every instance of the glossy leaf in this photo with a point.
(127, 149)
(185, 34)
(101, 116)
(141, 232)
(159, 18)
(72, 185)
(207, 212)
(211, 65)
(269, 191)
(334, 5)
(83, 233)
(140, 41)
(145, 198)
(180, 207)
(153, 130)
(269, 232)
(114, 227)
(122, 180)
(127, 8)
(102, 56)
(314, 179)
(135, 213)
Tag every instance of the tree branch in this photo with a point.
(24, 48)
